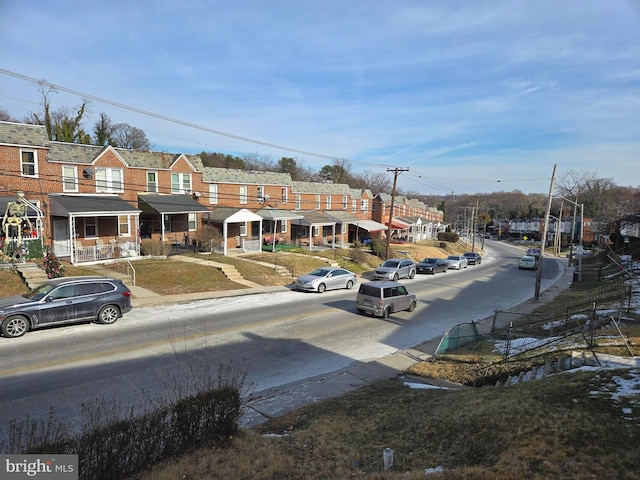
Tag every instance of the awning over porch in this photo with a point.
(170, 204)
(314, 219)
(343, 217)
(371, 225)
(89, 206)
(269, 213)
(226, 215)
(399, 224)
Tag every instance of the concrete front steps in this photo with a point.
(31, 273)
(229, 271)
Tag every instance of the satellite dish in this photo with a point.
(87, 173)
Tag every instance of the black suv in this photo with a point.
(473, 258)
(65, 300)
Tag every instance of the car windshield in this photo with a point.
(430, 260)
(319, 272)
(453, 257)
(38, 292)
(390, 263)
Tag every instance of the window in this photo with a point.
(90, 227)
(167, 223)
(364, 206)
(123, 226)
(152, 182)
(193, 221)
(69, 179)
(213, 194)
(260, 193)
(180, 183)
(243, 194)
(317, 202)
(284, 226)
(298, 202)
(345, 202)
(344, 227)
(285, 194)
(243, 229)
(316, 230)
(354, 206)
(28, 163)
(109, 180)
(328, 202)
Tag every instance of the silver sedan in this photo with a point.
(326, 278)
(457, 262)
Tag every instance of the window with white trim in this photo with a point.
(354, 206)
(123, 226)
(180, 183)
(344, 227)
(260, 192)
(192, 219)
(328, 202)
(152, 182)
(316, 230)
(284, 226)
(345, 202)
(243, 194)
(213, 193)
(243, 229)
(317, 202)
(285, 195)
(90, 227)
(28, 163)
(109, 180)
(298, 202)
(364, 206)
(69, 178)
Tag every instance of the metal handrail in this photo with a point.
(133, 280)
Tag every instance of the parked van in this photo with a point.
(382, 298)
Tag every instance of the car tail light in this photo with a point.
(127, 293)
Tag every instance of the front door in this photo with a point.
(61, 240)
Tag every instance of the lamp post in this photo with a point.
(579, 250)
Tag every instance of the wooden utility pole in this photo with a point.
(395, 171)
(544, 235)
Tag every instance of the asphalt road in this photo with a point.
(276, 338)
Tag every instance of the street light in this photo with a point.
(580, 250)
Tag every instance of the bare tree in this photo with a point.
(126, 136)
(6, 116)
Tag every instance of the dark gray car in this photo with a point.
(62, 301)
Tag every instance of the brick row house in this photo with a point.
(91, 203)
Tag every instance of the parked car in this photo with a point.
(528, 262)
(457, 262)
(62, 301)
(382, 298)
(534, 252)
(473, 258)
(326, 278)
(432, 265)
(394, 269)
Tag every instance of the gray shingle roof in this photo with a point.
(232, 175)
(23, 134)
(318, 187)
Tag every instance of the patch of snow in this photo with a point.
(424, 386)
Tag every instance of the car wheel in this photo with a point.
(15, 326)
(412, 307)
(386, 312)
(395, 277)
(412, 274)
(349, 285)
(108, 314)
(321, 288)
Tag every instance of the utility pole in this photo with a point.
(474, 222)
(544, 235)
(396, 172)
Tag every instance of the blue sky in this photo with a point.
(470, 96)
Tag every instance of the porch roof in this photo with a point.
(4, 201)
(269, 213)
(170, 204)
(233, 215)
(342, 217)
(371, 225)
(397, 223)
(313, 218)
(89, 206)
